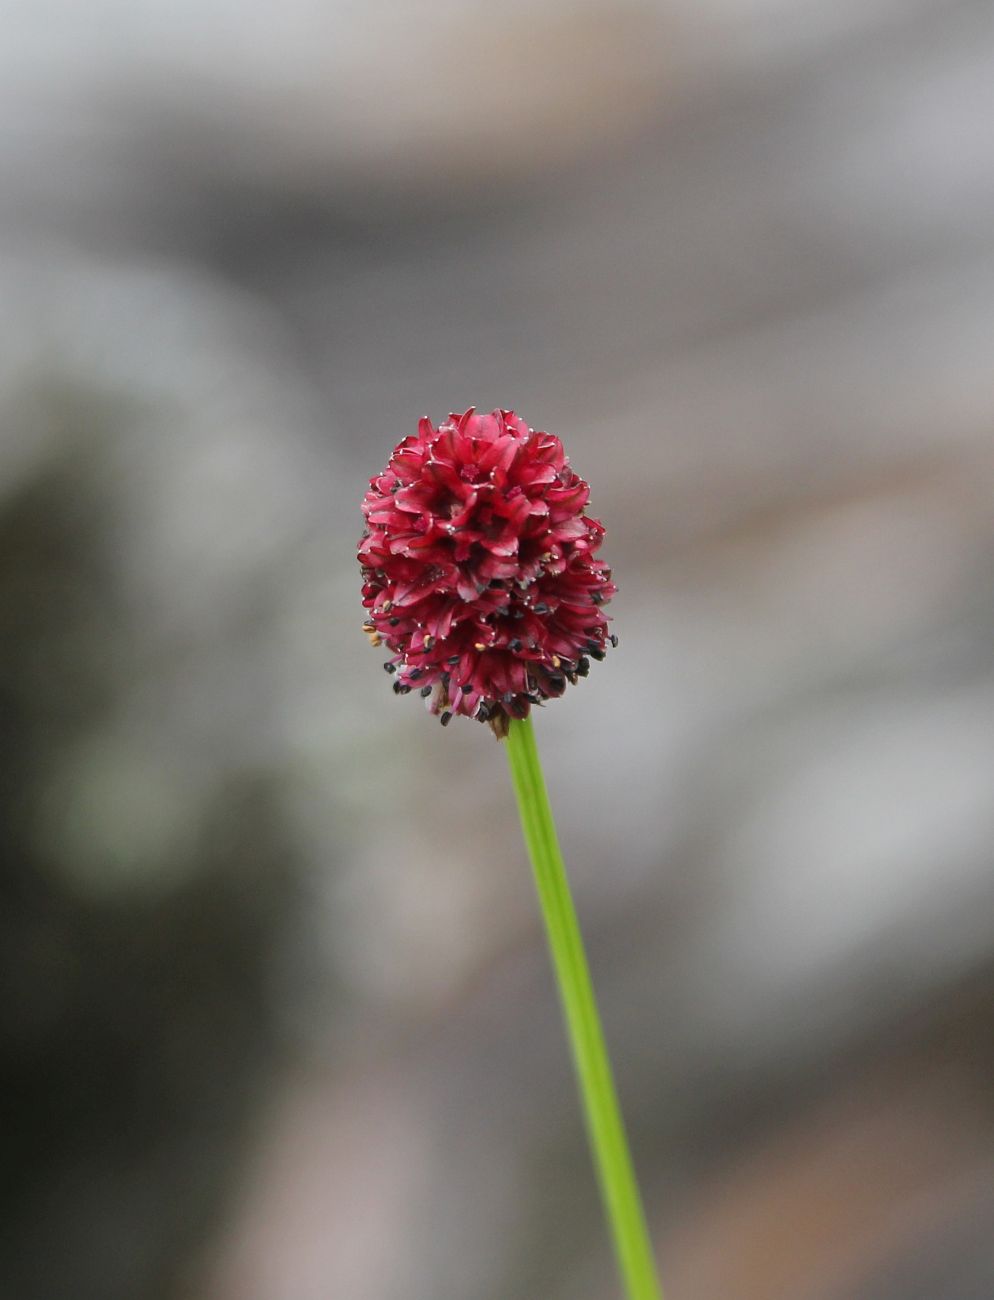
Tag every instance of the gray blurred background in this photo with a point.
(276, 1019)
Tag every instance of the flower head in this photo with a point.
(479, 568)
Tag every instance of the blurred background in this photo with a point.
(276, 1019)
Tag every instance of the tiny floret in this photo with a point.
(479, 567)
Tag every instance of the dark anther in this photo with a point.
(614, 640)
(453, 659)
(425, 692)
(393, 622)
(597, 597)
(399, 688)
(445, 718)
(583, 665)
(514, 645)
(597, 654)
(483, 713)
(389, 668)
(415, 673)
(540, 608)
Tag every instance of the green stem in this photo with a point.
(600, 1102)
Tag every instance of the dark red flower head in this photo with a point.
(479, 568)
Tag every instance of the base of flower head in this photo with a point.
(543, 681)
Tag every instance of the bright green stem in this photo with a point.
(600, 1102)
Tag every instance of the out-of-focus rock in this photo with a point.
(174, 111)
